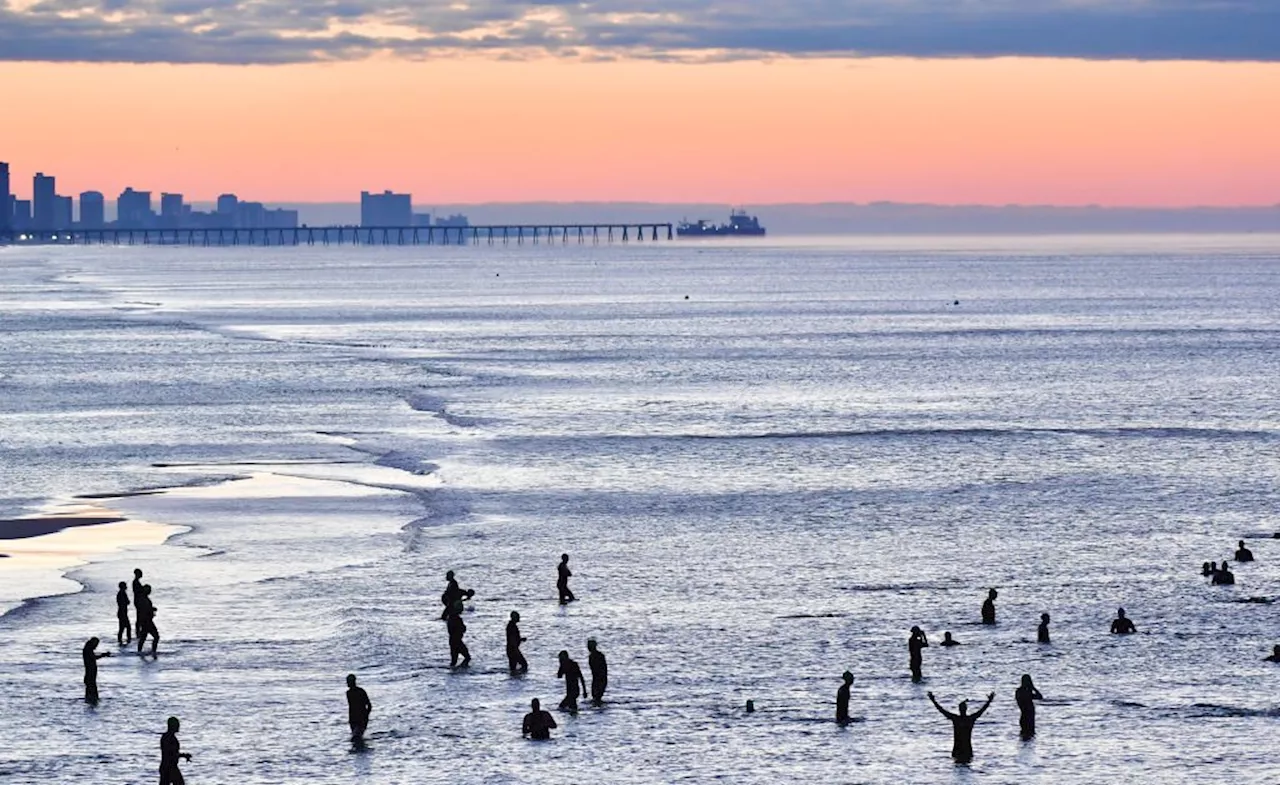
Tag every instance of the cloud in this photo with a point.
(289, 31)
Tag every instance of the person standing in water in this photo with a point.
(842, 699)
(1026, 695)
(146, 620)
(599, 672)
(456, 630)
(538, 722)
(1275, 655)
(515, 660)
(137, 593)
(453, 594)
(91, 658)
(1122, 625)
(947, 640)
(358, 709)
(989, 607)
(562, 580)
(916, 645)
(572, 675)
(170, 753)
(124, 630)
(1224, 576)
(1243, 553)
(1042, 632)
(962, 727)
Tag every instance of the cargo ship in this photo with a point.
(740, 225)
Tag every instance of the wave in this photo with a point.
(434, 404)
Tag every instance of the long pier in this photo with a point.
(504, 234)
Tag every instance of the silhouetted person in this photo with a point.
(146, 619)
(1208, 569)
(453, 594)
(1042, 632)
(1122, 625)
(170, 753)
(358, 709)
(1026, 695)
(91, 658)
(124, 631)
(137, 592)
(538, 722)
(572, 675)
(1243, 553)
(1224, 576)
(456, 630)
(962, 727)
(916, 645)
(599, 672)
(562, 581)
(989, 607)
(947, 640)
(1275, 655)
(842, 699)
(515, 660)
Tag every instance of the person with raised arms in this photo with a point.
(962, 727)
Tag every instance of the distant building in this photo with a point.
(133, 209)
(422, 219)
(21, 214)
(250, 215)
(227, 207)
(453, 220)
(43, 193)
(93, 210)
(171, 211)
(281, 219)
(6, 199)
(63, 207)
(386, 209)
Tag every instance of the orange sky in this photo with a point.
(474, 130)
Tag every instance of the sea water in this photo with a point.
(767, 462)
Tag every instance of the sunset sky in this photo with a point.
(1129, 102)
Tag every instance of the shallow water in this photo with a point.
(760, 486)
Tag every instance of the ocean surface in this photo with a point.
(767, 462)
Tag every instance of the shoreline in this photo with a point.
(41, 551)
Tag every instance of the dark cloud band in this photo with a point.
(290, 31)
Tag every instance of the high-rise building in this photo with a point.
(43, 191)
(386, 209)
(6, 199)
(170, 210)
(133, 209)
(21, 214)
(62, 211)
(93, 210)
